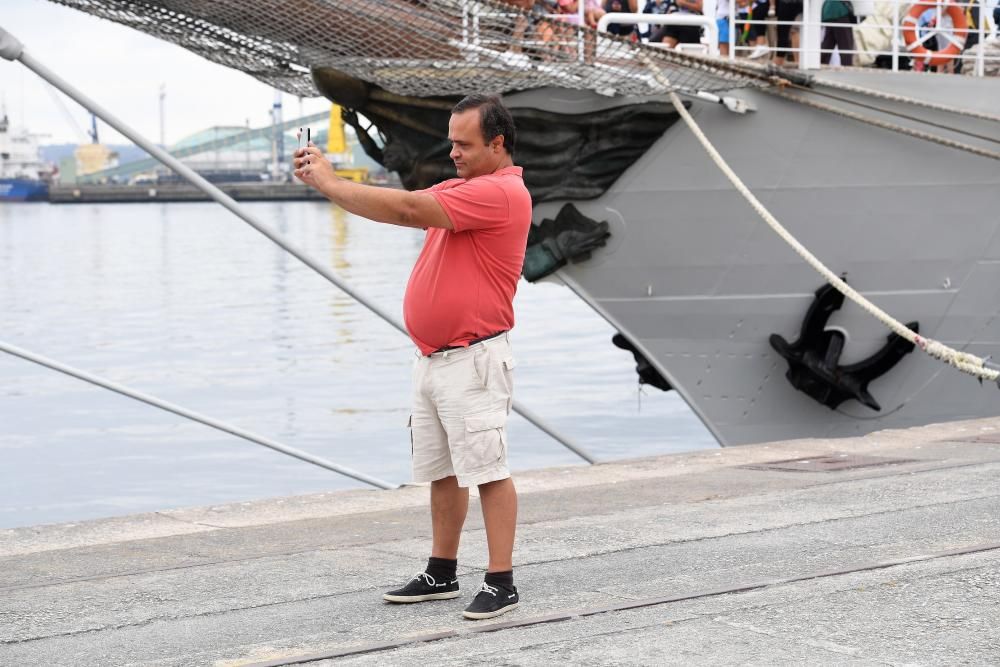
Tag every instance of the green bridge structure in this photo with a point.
(129, 169)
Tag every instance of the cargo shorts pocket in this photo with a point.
(508, 373)
(485, 440)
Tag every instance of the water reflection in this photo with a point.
(166, 248)
(341, 305)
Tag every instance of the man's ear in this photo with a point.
(497, 143)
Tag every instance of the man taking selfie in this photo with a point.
(458, 309)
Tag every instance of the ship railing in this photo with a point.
(572, 36)
(473, 12)
(473, 41)
(706, 21)
(808, 54)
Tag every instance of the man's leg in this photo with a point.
(499, 502)
(449, 505)
(498, 594)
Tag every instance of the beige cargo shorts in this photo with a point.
(461, 399)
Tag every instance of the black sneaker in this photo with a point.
(492, 601)
(423, 587)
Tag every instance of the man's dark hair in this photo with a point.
(494, 118)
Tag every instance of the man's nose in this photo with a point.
(454, 154)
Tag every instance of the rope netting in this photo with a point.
(421, 48)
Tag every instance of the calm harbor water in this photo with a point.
(187, 303)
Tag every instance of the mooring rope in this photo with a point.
(892, 127)
(779, 76)
(963, 361)
(891, 112)
(193, 416)
(892, 97)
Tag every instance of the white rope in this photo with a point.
(982, 115)
(783, 88)
(964, 361)
(892, 127)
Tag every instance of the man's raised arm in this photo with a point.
(394, 207)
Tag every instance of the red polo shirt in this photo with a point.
(462, 286)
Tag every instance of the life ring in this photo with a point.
(956, 40)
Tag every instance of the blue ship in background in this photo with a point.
(23, 189)
(24, 176)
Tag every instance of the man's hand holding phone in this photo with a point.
(311, 166)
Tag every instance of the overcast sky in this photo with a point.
(123, 69)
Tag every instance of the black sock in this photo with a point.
(501, 578)
(442, 569)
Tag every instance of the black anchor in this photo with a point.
(813, 366)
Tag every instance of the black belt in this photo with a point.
(470, 343)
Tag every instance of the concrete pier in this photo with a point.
(876, 550)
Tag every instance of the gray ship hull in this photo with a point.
(699, 282)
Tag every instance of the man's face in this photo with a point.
(472, 156)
